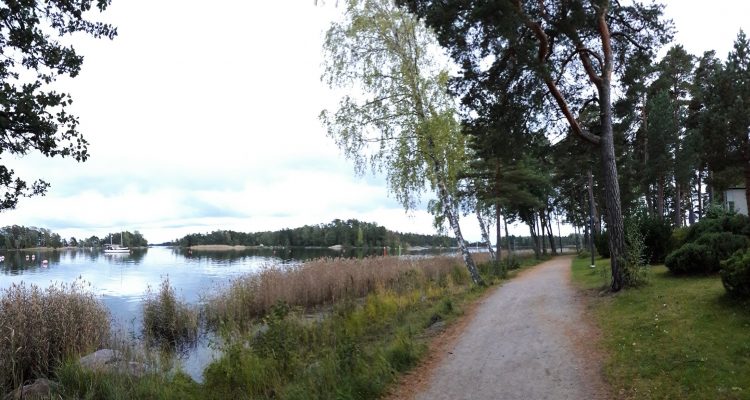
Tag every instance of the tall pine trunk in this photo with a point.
(615, 223)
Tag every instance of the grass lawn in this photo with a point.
(673, 338)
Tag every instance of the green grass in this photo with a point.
(673, 338)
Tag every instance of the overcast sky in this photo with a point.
(203, 116)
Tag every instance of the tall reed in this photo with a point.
(40, 328)
(324, 281)
(168, 320)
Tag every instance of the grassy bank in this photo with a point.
(673, 338)
(349, 343)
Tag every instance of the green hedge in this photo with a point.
(735, 274)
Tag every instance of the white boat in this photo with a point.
(115, 248)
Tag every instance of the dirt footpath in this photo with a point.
(526, 340)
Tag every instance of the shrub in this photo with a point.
(723, 244)
(678, 238)
(168, 321)
(692, 258)
(735, 274)
(657, 235)
(40, 328)
(734, 223)
(636, 260)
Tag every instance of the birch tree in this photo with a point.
(396, 117)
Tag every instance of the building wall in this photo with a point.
(735, 200)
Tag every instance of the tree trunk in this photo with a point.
(747, 182)
(540, 232)
(534, 237)
(507, 240)
(594, 214)
(485, 234)
(551, 235)
(677, 204)
(498, 233)
(453, 221)
(700, 196)
(660, 197)
(615, 223)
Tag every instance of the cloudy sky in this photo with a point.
(205, 117)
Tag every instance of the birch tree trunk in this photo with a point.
(485, 235)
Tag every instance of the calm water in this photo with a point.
(122, 280)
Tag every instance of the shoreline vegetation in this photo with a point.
(344, 326)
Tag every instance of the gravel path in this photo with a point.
(527, 341)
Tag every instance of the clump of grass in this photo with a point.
(325, 281)
(167, 320)
(41, 328)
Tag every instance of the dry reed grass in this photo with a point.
(325, 281)
(40, 328)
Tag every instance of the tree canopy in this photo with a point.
(33, 116)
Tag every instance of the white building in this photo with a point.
(735, 200)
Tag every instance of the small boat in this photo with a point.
(115, 248)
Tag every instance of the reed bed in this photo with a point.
(167, 320)
(326, 281)
(41, 328)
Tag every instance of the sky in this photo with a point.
(203, 118)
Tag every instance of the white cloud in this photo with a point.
(204, 116)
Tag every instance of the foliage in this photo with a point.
(20, 237)
(34, 117)
(338, 232)
(673, 338)
(167, 320)
(735, 274)
(709, 241)
(678, 238)
(692, 258)
(636, 259)
(398, 117)
(704, 254)
(41, 328)
(601, 243)
(657, 238)
(737, 224)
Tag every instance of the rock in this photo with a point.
(41, 389)
(107, 360)
(434, 329)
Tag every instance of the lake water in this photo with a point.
(121, 280)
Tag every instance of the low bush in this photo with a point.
(167, 320)
(692, 258)
(737, 224)
(41, 328)
(705, 254)
(735, 274)
(723, 244)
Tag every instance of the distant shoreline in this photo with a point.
(214, 247)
